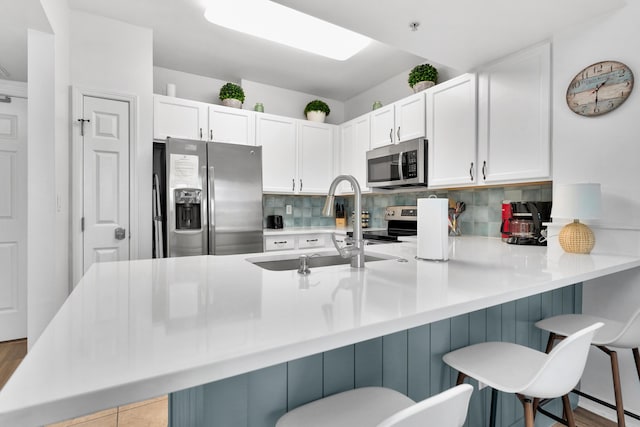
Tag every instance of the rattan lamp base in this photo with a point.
(577, 238)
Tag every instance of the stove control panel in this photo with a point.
(401, 213)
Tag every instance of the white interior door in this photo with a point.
(106, 180)
(13, 219)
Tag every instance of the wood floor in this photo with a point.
(154, 412)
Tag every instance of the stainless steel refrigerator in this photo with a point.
(214, 198)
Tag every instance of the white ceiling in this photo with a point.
(454, 35)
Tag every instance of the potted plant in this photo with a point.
(232, 95)
(316, 110)
(422, 77)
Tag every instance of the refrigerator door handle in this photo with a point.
(212, 210)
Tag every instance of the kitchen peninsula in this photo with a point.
(139, 329)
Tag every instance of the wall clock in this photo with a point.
(599, 88)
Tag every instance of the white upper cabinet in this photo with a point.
(354, 144)
(315, 156)
(410, 118)
(232, 125)
(398, 122)
(514, 117)
(179, 118)
(297, 155)
(451, 132)
(382, 126)
(277, 136)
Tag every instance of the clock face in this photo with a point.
(599, 88)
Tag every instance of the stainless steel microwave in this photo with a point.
(399, 165)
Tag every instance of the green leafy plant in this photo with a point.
(317, 105)
(423, 72)
(233, 91)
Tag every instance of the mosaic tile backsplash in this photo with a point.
(482, 216)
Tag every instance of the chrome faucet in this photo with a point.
(356, 250)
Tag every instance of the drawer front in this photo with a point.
(278, 243)
(312, 241)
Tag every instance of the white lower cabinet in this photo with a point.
(297, 155)
(278, 243)
(514, 132)
(312, 241)
(451, 132)
(297, 241)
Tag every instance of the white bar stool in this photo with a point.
(528, 373)
(613, 333)
(381, 407)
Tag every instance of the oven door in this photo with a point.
(400, 165)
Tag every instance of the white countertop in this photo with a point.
(135, 330)
(312, 230)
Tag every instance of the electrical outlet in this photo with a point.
(289, 209)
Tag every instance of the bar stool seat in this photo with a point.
(528, 373)
(625, 335)
(381, 407)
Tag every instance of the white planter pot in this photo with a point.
(230, 102)
(420, 86)
(316, 116)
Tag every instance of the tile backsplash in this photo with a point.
(482, 216)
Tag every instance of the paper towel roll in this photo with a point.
(433, 229)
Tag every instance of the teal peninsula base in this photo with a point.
(409, 361)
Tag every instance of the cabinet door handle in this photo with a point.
(200, 133)
(293, 184)
(391, 135)
(471, 171)
(211, 134)
(398, 133)
(300, 184)
(311, 240)
(484, 170)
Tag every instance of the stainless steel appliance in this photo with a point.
(401, 221)
(274, 221)
(399, 165)
(522, 222)
(214, 198)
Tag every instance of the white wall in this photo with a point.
(388, 92)
(113, 56)
(285, 102)
(48, 281)
(604, 149)
(44, 295)
(188, 86)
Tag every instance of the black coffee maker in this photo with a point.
(522, 222)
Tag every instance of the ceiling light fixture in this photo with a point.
(280, 24)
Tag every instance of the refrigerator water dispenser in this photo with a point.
(188, 207)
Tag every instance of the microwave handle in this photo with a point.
(400, 171)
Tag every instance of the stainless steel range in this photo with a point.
(401, 221)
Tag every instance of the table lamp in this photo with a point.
(577, 202)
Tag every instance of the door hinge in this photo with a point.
(82, 224)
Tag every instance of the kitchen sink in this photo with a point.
(326, 259)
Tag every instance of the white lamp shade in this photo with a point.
(576, 201)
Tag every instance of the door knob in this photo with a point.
(120, 233)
